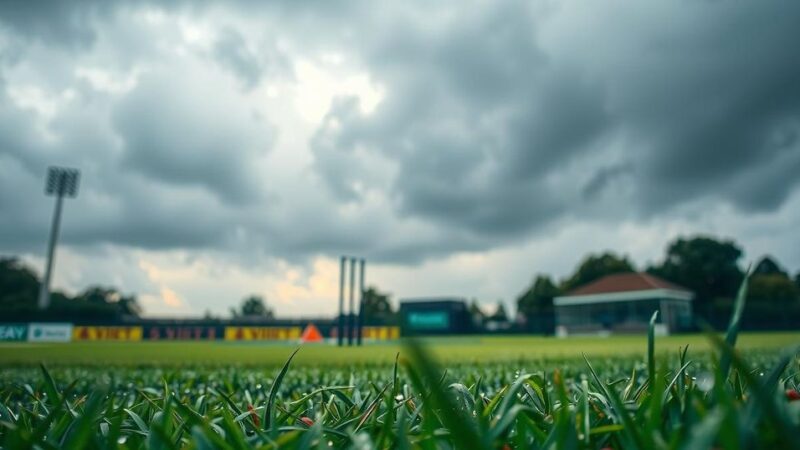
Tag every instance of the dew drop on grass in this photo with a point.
(705, 382)
(121, 440)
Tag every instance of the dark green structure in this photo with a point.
(434, 316)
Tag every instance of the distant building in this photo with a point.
(434, 316)
(623, 303)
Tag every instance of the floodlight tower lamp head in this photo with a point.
(62, 181)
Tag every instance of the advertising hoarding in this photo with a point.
(262, 333)
(381, 333)
(429, 320)
(92, 333)
(13, 332)
(49, 332)
(434, 316)
(182, 333)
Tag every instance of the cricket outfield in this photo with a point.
(453, 350)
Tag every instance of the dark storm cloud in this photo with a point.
(147, 218)
(231, 50)
(53, 21)
(498, 120)
(18, 138)
(113, 205)
(602, 178)
(496, 131)
(163, 124)
(250, 61)
(475, 117)
(709, 98)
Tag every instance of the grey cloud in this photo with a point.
(231, 49)
(18, 137)
(487, 124)
(54, 21)
(183, 134)
(493, 127)
(151, 202)
(112, 207)
(336, 159)
(602, 178)
(766, 187)
(475, 116)
(152, 216)
(250, 62)
(555, 124)
(703, 94)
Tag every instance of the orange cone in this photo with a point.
(311, 334)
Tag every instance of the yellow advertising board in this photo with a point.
(81, 333)
(262, 333)
(381, 333)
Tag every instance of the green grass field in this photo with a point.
(632, 392)
(461, 350)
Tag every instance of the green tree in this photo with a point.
(500, 314)
(377, 306)
(210, 317)
(253, 306)
(477, 314)
(707, 266)
(19, 290)
(768, 266)
(773, 300)
(19, 285)
(536, 305)
(100, 299)
(777, 289)
(595, 267)
(772, 296)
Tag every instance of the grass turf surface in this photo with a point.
(497, 392)
(461, 350)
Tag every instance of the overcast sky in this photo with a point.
(461, 147)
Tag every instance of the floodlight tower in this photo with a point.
(61, 182)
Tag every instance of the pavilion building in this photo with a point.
(624, 303)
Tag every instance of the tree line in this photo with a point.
(19, 289)
(709, 267)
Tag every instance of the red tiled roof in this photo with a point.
(623, 282)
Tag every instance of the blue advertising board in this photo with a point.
(13, 332)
